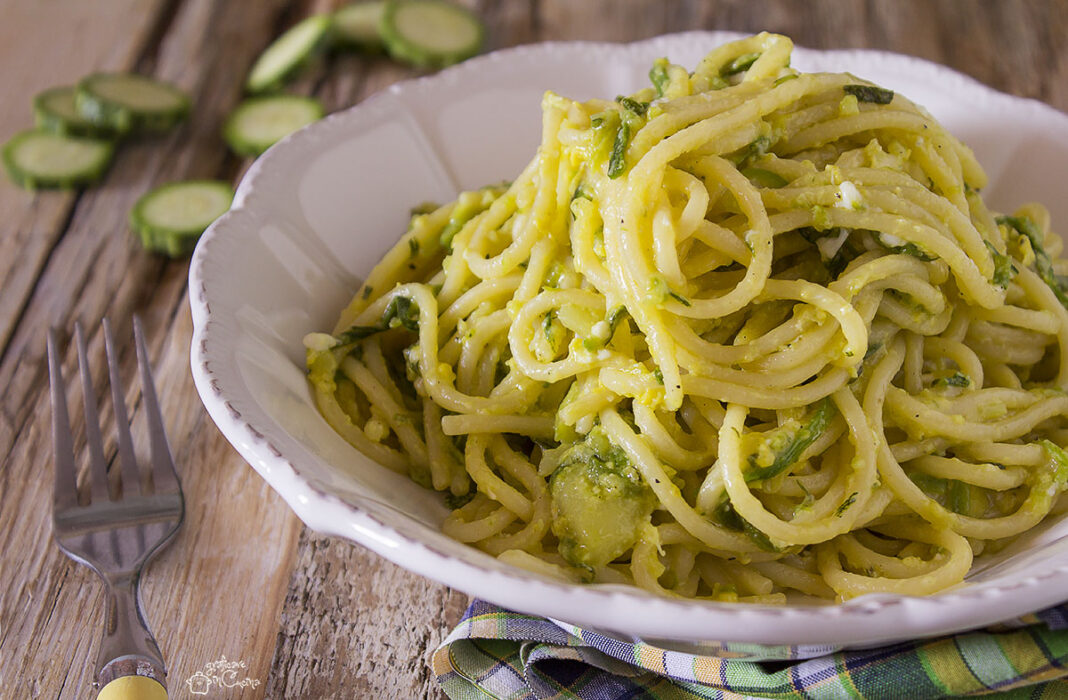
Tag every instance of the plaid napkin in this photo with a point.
(497, 654)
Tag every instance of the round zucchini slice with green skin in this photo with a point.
(356, 26)
(170, 218)
(259, 122)
(289, 53)
(41, 159)
(55, 110)
(128, 102)
(430, 33)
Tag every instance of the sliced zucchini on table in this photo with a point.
(36, 158)
(259, 122)
(170, 218)
(129, 102)
(289, 53)
(430, 33)
(356, 25)
(55, 110)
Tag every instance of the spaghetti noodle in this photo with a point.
(747, 334)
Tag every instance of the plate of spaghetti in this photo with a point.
(702, 333)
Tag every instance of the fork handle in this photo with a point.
(133, 688)
(128, 649)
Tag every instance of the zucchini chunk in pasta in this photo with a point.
(747, 334)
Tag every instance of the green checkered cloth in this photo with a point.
(495, 653)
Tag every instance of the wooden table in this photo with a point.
(309, 616)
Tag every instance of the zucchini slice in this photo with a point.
(170, 218)
(289, 53)
(128, 102)
(38, 159)
(259, 122)
(356, 25)
(55, 110)
(430, 33)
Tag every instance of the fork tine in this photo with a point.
(131, 475)
(65, 488)
(164, 476)
(98, 466)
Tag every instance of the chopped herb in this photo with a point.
(755, 149)
(617, 159)
(658, 74)
(630, 104)
(548, 326)
(413, 247)
(659, 375)
(845, 255)
(908, 248)
(468, 205)
(580, 193)
(846, 505)
(785, 78)
(872, 349)
(725, 515)
(453, 502)
(400, 312)
(797, 444)
(955, 379)
(913, 250)
(765, 178)
(739, 64)
(1004, 270)
(958, 497)
(931, 485)
(870, 93)
(1043, 265)
(356, 333)
(954, 494)
(367, 292)
(615, 316)
(679, 298)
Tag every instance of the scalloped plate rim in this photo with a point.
(947, 612)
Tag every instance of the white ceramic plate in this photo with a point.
(318, 210)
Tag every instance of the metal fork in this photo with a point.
(116, 534)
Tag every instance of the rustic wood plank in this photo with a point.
(78, 38)
(356, 626)
(218, 590)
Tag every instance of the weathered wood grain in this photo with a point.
(238, 535)
(108, 38)
(349, 617)
(310, 616)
